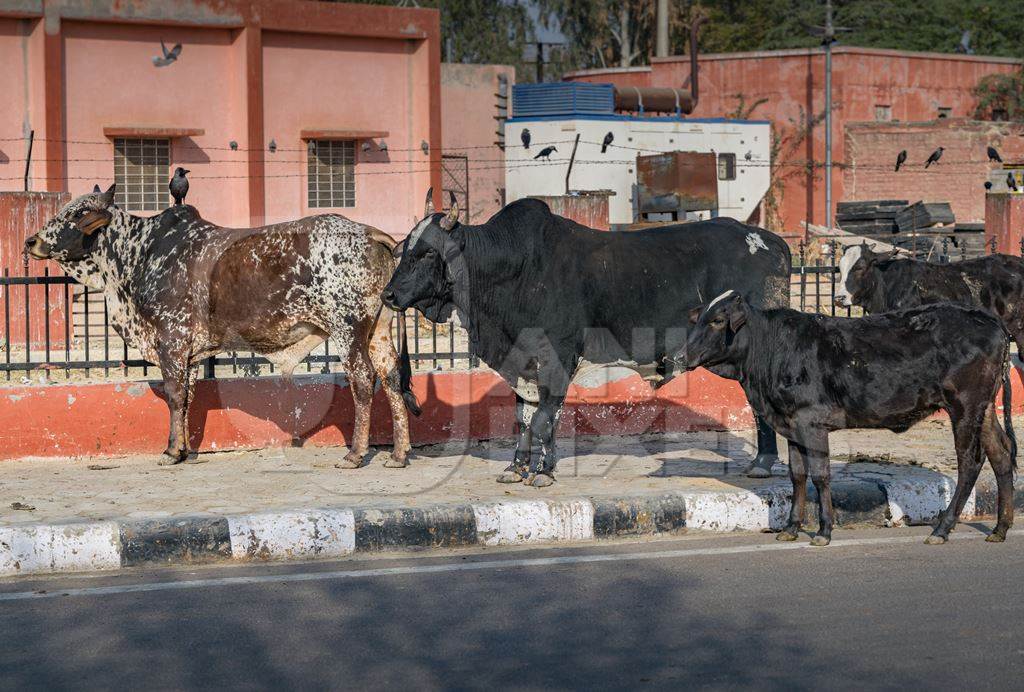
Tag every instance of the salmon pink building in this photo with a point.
(890, 87)
(279, 108)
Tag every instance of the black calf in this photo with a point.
(809, 375)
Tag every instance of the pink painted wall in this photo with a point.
(111, 81)
(16, 103)
(468, 110)
(338, 83)
(915, 85)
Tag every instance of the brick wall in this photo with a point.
(958, 178)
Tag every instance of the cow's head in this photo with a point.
(424, 278)
(856, 280)
(71, 235)
(714, 328)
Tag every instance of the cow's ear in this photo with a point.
(93, 220)
(107, 198)
(737, 313)
(695, 314)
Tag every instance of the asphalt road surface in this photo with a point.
(876, 609)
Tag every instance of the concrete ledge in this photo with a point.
(331, 533)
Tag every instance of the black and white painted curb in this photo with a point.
(331, 533)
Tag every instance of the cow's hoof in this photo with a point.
(541, 480)
(761, 466)
(935, 540)
(351, 461)
(786, 536)
(171, 458)
(821, 540)
(509, 477)
(393, 462)
(995, 537)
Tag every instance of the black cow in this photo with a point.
(878, 282)
(539, 294)
(809, 375)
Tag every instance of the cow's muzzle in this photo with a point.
(842, 302)
(35, 247)
(387, 296)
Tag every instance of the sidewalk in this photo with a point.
(72, 515)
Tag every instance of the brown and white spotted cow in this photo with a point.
(181, 289)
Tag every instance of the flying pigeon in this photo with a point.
(179, 185)
(1011, 182)
(168, 56)
(545, 153)
(608, 139)
(993, 155)
(525, 136)
(901, 159)
(934, 158)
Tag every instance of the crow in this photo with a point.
(525, 136)
(608, 139)
(993, 155)
(168, 56)
(545, 153)
(179, 185)
(934, 158)
(901, 159)
(1011, 182)
(988, 184)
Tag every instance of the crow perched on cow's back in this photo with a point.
(179, 185)
(993, 155)
(901, 159)
(545, 153)
(934, 158)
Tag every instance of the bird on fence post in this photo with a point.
(179, 185)
(901, 159)
(1011, 182)
(993, 155)
(934, 158)
(545, 153)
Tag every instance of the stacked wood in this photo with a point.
(869, 216)
(924, 215)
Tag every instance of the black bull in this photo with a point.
(539, 294)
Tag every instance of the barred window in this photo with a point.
(332, 173)
(727, 166)
(141, 172)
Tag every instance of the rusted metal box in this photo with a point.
(587, 207)
(678, 181)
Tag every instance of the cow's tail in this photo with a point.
(1008, 409)
(405, 369)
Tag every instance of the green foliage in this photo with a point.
(1000, 97)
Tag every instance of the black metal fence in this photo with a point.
(55, 328)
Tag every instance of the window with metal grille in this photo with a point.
(727, 166)
(141, 172)
(332, 181)
(883, 113)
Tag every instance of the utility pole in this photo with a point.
(828, 39)
(661, 46)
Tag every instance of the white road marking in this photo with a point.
(483, 565)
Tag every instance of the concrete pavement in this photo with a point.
(876, 610)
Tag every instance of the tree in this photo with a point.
(1000, 97)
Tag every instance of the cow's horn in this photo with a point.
(449, 221)
(428, 203)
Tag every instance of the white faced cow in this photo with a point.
(181, 289)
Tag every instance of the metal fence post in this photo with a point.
(209, 371)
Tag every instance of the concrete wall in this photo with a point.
(958, 177)
(468, 111)
(251, 71)
(914, 85)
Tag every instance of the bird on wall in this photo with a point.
(179, 185)
(901, 159)
(545, 153)
(988, 184)
(608, 139)
(525, 136)
(934, 158)
(993, 155)
(1011, 182)
(168, 56)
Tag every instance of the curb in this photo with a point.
(332, 533)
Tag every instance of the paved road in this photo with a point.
(877, 609)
